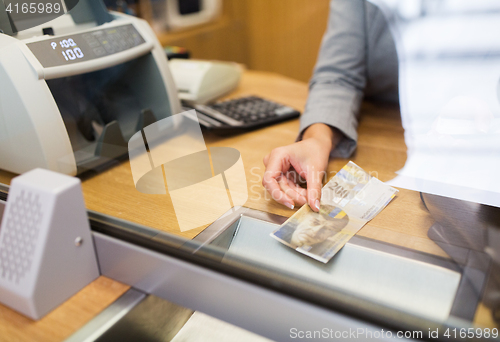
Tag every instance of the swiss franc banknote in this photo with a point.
(348, 201)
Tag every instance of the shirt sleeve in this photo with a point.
(336, 88)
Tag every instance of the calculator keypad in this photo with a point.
(251, 111)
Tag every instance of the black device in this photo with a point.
(243, 114)
(189, 6)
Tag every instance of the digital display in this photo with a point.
(85, 46)
(70, 50)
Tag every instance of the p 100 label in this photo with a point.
(70, 51)
(85, 46)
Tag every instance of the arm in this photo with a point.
(336, 88)
(329, 122)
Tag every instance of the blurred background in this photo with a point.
(281, 36)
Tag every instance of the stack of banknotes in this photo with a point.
(348, 201)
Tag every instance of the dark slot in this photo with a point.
(189, 6)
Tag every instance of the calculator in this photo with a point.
(243, 114)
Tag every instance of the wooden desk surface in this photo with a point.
(381, 150)
(64, 320)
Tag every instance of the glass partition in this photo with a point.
(430, 260)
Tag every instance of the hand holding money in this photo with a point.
(348, 201)
(308, 158)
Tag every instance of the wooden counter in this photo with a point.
(381, 151)
(65, 319)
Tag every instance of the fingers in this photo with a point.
(314, 182)
(293, 182)
(277, 165)
(289, 188)
(272, 186)
(266, 159)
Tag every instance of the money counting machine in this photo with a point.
(69, 102)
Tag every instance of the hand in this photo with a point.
(309, 159)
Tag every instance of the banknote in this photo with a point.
(348, 201)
